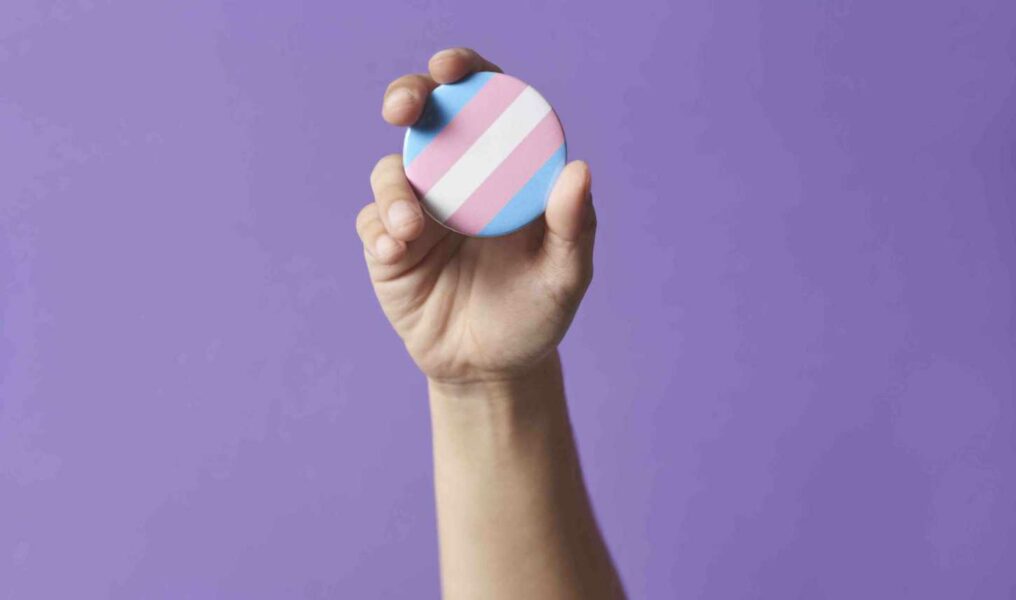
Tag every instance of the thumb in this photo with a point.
(571, 225)
(569, 208)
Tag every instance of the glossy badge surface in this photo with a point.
(485, 154)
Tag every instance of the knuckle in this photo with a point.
(399, 81)
(365, 216)
(414, 81)
(391, 161)
(391, 86)
(388, 193)
(382, 167)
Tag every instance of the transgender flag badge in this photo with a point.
(485, 154)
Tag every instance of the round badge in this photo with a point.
(485, 154)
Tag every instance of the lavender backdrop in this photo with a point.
(792, 378)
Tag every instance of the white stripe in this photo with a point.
(486, 153)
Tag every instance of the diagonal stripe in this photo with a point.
(531, 199)
(509, 177)
(459, 134)
(444, 103)
(490, 149)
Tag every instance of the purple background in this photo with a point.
(792, 378)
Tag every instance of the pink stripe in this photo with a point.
(509, 177)
(463, 130)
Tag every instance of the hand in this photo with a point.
(473, 309)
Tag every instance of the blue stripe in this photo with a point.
(530, 201)
(444, 103)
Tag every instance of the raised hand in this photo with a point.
(473, 309)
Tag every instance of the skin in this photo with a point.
(482, 318)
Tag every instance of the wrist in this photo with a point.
(500, 408)
(543, 377)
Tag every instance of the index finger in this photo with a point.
(448, 66)
(405, 98)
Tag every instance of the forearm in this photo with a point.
(514, 518)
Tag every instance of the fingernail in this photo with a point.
(386, 247)
(399, 98)
(401, 214)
